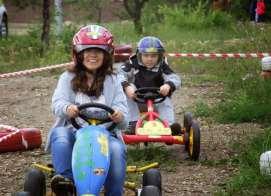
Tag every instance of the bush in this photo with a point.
(194, 17)
(246, 102)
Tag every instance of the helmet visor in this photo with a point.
(80, 48)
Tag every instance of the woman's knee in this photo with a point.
(117, 148)
(62, 134)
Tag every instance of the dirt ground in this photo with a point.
(25, 102)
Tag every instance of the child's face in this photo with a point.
(149, 60)
(93, 58)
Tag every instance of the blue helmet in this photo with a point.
(150, 44)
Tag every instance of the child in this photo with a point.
(149, 68)
(90, 80)
(266, 67)
(252, 9)
(260, 11)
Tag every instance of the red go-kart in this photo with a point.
(151, 128)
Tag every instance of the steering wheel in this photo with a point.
(143, 94)
(89, 119)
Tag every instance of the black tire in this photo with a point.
(22, 193)
(4, 27)
(194, 141)
(152, 177)
(150, 191)
(187, 122)
(35, 183)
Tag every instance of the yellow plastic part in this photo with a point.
(153, 128)
(130, 185)
(43, 168)
(134, 169)
(129, 169)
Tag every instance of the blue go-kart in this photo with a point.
(91, 161)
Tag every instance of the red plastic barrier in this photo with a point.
(119, 50)
(24, 139)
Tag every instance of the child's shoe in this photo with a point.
(176, 129)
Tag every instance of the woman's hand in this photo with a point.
(72, 111)
(164, 89)
(117, 116)
(130, 92)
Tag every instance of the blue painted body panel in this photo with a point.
(90, 159)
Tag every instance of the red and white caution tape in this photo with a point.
(14, 132)
(35, 70)
(189, 55)
(213, 55)
(220, 55)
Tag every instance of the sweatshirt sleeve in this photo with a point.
(171, 78)
(119, 102)
(125, 74)
(63, 95)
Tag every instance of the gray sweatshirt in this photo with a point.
(64, 96)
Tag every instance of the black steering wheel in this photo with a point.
(100, 120)
(143, 94)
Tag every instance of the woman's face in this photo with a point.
(93, 58)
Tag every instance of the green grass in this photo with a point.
(248, 180)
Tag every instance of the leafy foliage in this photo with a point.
(24, 52)
(249, 180)
(198, 18)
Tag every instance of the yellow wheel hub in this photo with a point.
(191, 137)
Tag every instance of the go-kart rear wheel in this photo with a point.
(35, 183)
(187, 122)
(22, 193)
(194, 141)
(4, 27)
(150, 190)
(152, 177)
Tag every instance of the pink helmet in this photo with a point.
(93, 36)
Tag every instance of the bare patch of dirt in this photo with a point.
(25, 102)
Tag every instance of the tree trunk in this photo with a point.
(59, 17)
(222, 5)
(134, 10)
(138, 26)
(46, 23)
(100, 11)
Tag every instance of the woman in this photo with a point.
(90, 80)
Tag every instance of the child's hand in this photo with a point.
(164, 89)
(130, 92)
(117, 116)
(72, 111)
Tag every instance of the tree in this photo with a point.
(95, 8)
(59, 17)
(46, 23)
(134, 9)
(221, 4)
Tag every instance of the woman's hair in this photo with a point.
(80, 81)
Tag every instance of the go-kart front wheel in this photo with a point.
(150, 190)
(193, 141)
(152, 177)
(35, 183)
